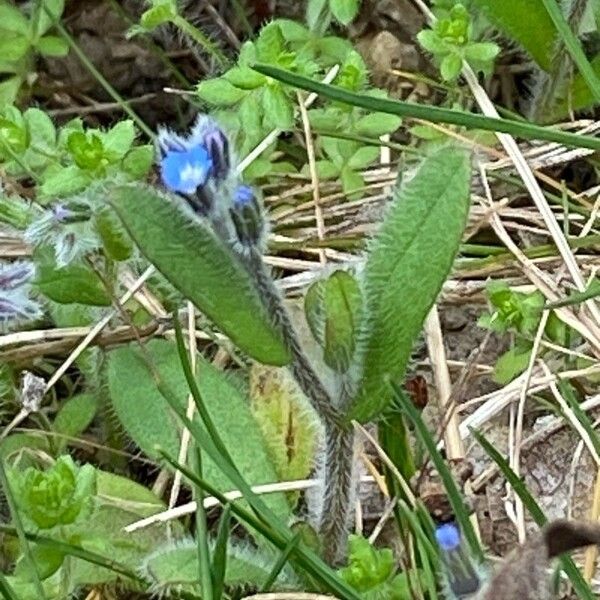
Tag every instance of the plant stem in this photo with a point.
(300, 366)
(338, 492)
(199, 38)
(337, 469)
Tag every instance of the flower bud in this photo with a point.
(460, 572)
(212, 137)
(247, 217)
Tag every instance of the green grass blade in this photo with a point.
(454, 495)
(567, 564)
(592, 291)
(428, 554)
(566, 390)
(433, 114)
(204, 566)
(281, 561)
(195, 391)
(219, 558)
(574, 47)
(6, 590)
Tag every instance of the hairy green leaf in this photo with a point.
(74, 417)
(71, 284)
(407, 264)
(147, 418)
(289, 427)
(334, 309)
(117, 243)
(175, 567)
(119, 503)
(200, 266)
(525, 21)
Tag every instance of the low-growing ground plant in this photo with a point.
(186, 212)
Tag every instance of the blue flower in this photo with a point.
(243, 196)
(448, 536)
(184, 170)
(188, 162)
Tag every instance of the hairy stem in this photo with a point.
(338, 492)
(337, 469)
(300, 366)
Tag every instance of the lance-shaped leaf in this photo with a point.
(333, 310)
(407, 264)
(189, 254)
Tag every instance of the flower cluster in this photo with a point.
(66, 227)
(198, 167)
(16, 304)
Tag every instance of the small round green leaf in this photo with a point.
(219, 92)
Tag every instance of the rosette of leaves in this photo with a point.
(261, 104)
(59, 496)
(450, 40)
(520, 314)
(373, 572)
(68, 160)
(22, 36)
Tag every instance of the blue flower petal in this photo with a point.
(186, 171)
(244, 195)
(448, 536)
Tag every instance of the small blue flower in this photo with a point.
(185, 170)
(448, 536)
(244, 195)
